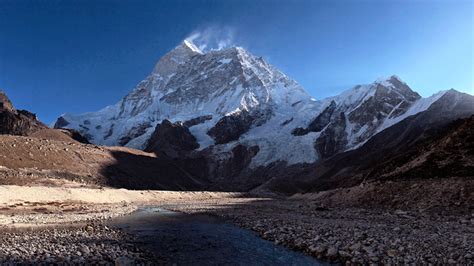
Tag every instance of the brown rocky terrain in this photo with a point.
(31, 153)
(18, 122)
(29, 160)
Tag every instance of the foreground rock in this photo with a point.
(91, 244)
(16, 122)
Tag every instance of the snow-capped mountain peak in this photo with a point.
(186, 84)
(226, 98)
(388, 81)
(396, 84)
(168, 64)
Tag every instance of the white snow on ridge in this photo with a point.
(419, 106)
(193, 47)
(385, 81)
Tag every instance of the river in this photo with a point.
(185, 239)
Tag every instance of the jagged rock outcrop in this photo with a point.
(135, 132)
(25, 123)
(172, 139)
(16, 122)
(196, 121)
(231, 127)
(61, 123)
(5, 103)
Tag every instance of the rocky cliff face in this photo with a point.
(171, 139)
(16, 122)
(5, 103)
(353, 117)
(208, 105)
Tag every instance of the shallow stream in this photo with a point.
(184, 239)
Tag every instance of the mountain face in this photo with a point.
(222, 96)
(422, 146)
(236, 113)
(449, 153)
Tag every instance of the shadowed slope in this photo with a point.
(369, 161)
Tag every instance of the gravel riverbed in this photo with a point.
(351, 236)
(65, 232)
(92, 244)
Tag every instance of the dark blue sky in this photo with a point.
(77, 56)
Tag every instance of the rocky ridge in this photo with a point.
(16, 122)
(25, 123)
(425, 145)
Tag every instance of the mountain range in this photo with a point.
(242, 123)
(227, 120)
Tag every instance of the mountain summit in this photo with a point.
(187, 84)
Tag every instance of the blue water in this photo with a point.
(202, 240)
